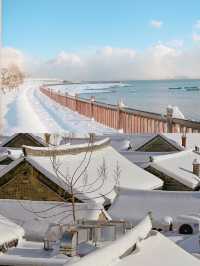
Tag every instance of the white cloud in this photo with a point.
(175, 43)
(197, 24)
(160, 61)
(156, 24)
(196, 37)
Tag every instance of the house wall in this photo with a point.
(26, 183)
(23, 139)
(158, 145)
(170, 184)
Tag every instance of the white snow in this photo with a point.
(132, 205)
(192, 139)
(109, 254)
(36, 216)
(158, 250)
(131, 176)
(178, 166)
(176, 112)
(28, 110)
(32, 254)
(9, 231)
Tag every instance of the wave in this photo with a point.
(175, 88)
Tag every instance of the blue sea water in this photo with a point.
(148, 95)
(155, 96)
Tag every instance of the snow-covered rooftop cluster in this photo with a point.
(132, 197)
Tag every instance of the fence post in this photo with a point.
(76, 102)
(119, 116)
(169, 119)
(92, 100)
(66, 99)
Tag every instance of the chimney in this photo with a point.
(196, 167)
(151, 160)
(47, 138)
(184, 140)
(24, 151)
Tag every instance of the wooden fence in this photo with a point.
(127, 119)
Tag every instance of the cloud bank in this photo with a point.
(161, 61)
(156, 24)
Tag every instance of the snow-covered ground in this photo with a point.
(27, 110)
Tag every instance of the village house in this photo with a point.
(179, 171)
(33, 177)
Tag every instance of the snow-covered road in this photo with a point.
(27, 110)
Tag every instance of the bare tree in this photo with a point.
(11, 77)
(87, 191)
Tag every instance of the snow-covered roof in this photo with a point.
(132, 205)
(192, 139)
(67, 148)
(32, 253)
(9, 231)
(36, 216)
(158, 250)
(131, 176)
(12, 154)
(111, 253)
(178, 166)
(152, 248)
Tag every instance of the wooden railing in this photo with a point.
(127, 119)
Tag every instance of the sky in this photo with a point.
(88, 39)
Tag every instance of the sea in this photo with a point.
(148, 95)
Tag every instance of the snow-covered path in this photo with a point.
(27, 110)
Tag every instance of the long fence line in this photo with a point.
(127, 119)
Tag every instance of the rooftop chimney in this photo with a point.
(151, 160)
(184, 140)
(196, 167)
(24, 151)
(47, 138)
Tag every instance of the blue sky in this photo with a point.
(94, 39)
(45, 27)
